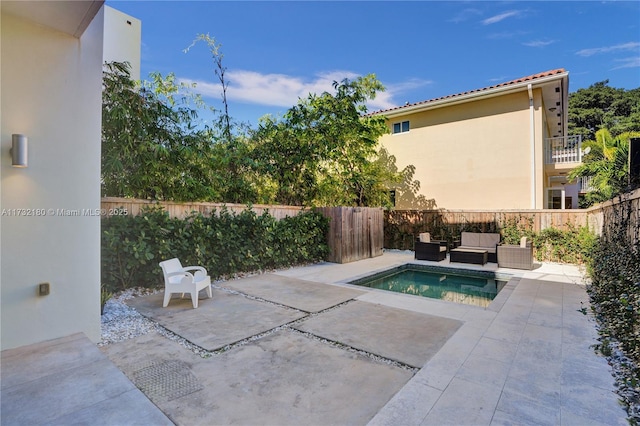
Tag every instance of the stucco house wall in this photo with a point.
(51, 92)
(122, 39)
(473, 155)
(499, 147)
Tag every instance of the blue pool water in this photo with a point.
(477, 288)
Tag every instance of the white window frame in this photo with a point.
(400, 123)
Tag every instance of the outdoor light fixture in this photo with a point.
(19, 150)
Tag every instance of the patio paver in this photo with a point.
(284, 378)
(217, 322)
(397, 334)
(297, 293)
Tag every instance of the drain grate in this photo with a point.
(166, 380)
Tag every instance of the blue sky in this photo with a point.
(277, 52)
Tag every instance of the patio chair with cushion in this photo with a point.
(184, 279)
(428, 249)
(516, 256)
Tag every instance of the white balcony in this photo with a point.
(585, 184)
(566, 149)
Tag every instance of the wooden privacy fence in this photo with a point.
(402, 225)
(132, 206)
(623, 211)
(355, 233)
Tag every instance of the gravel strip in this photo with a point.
(120, 322)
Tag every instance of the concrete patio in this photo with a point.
(301, 346)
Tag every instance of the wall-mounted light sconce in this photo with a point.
(19, 150)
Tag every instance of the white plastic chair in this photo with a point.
(178, 279)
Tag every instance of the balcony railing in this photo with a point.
(584, 184)
(566, 149)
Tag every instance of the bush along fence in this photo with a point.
(567, 236)
(224, 242)
(615, 292)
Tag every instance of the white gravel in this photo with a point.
(120, 322)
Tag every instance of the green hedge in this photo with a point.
(575, 244)
(224, 243)
(615, 287)
(615, 299)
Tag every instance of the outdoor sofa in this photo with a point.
(471, 242)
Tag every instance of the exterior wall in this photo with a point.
(474, 155)
(122, 36)
(51, 92)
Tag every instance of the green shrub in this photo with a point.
(574, 245)
(224, 243)
(614, 269)
(615, 287)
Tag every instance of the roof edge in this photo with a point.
(487, 92)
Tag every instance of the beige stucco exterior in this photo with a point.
(51, 85)
(480, 150)
(122, 39)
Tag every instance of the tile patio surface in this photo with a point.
(301, 346)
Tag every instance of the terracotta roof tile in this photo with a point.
(508, 83)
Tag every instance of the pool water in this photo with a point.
(467, 287)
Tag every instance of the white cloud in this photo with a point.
(538, 43)
(506, 35)
(497, 18)
(633, 62)
(283, 90)
(269, 89)
(465, 15)
(498, 79)
(619, 47)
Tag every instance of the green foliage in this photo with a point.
(224, 243)
(607, 164)
(601, 106)
(105, 295)
(323, 150)
(573, 245)
(150, 146)
(615, 286)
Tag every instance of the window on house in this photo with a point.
(401, 127)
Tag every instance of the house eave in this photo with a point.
(70, 17)
(474, 96)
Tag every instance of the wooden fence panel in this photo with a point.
(625, 210)
(401, 226)
(182, 210)
(355, 233)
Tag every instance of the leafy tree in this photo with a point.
(601, 106)
(323, 149)
(607, 164)
(151, 148)
(232, 160)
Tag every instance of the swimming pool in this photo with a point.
(469, 287)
